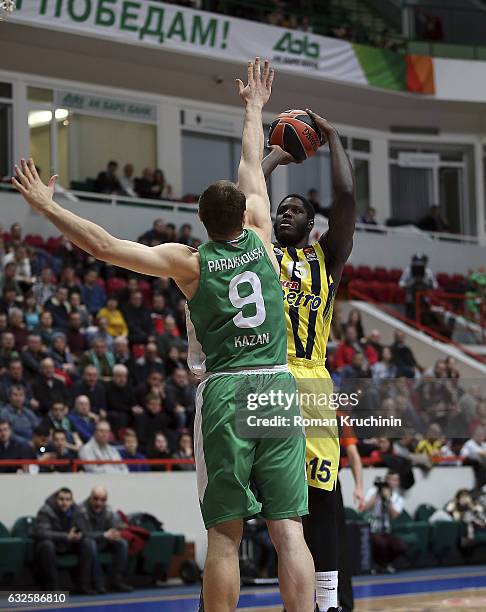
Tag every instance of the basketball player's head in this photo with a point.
(294, 220)
(222, 210)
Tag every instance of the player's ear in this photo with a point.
(310, 224)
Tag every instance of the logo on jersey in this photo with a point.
(309, 253)
(292, 285)
(306, 300)
(277, 251)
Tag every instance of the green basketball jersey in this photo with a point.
(236, 319)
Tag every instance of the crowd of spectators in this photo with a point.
(151, 184)
(92, 359)
(443, 418)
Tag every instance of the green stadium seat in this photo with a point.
(12, 554)
(424, 512)
(351, 514)
(22, 529)
(159, 550)
(444, 541)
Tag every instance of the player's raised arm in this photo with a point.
(250, 176)
(174, 260)
(337, 242)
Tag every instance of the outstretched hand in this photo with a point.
(284, 158)
(259, 86)
(28, 183)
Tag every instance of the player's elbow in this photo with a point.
(103, 248)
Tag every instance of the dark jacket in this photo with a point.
(47, 395)
(139, 321)
(94, 524)
(51, 524)
(15, 449)
(120, 399)
(96, 394)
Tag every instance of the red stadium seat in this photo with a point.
(34, 240)
(101, 282)
(146, 290)
(394, 275)
(443, 279)
(53, 243)
(381, 274)
(115, 285)
(364, 273)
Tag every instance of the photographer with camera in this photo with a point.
(384, 502)
(416, 277)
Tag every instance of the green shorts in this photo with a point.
(238, 476)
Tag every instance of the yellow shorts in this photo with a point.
(322, 440)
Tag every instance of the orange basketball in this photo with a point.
(296, 133)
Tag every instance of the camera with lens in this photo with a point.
(381, 486)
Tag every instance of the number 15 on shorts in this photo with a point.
(319, 470)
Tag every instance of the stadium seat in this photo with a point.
(159, 550)
(443, 279)
(424, 512)
(52, 244)
(364, 273)
(444, 541)
(115, 284)
(351, 514)
(22, 529)
(34, 240)
(394, 275)
(12, 554)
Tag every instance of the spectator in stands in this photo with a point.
(434, 442)
(45, 328)
(130, 451)
(75, 302)
(474, 454)
(158, 449)
(3, 323)
(91, 386)
(469, 513)
(8, 282)
(149, 362)
(121, 352)
(107, 180)
(354, 318)
(185, 450)
(120, 400)
(153, 418)
(417, 277)
(57, 419)
(100, 331)
(60, 450)
(37, 448)
(92, 293)
(61, 355)
(384, 369)
(180, 396)
(22, 419)
(31, 311)
(7, 350)
(369, 218)
(185, 234)
(138, 319)
(347, 348)
(69, 279)
(127, 181)
(75, 336)
(116, 323)
(158, 233)
(101, 358)
(173, 361)
(47, 389)
(143, 185)
(452, 370)
(160, 189)
(403, 356)
(411, 418)
(181, 322)
(15, 376)
(374, 340)
(23, 272)
(10, 447)
(385, 502)
(125, 293)
(32, 356)
(170, 229)
(18, 328)
(59, 307)
(83, 421)
(44, 288)
(99, 522)
(55, 533)
(170, 337)
(16, 238)
(99, 448)
(479, 419)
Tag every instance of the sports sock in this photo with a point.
(326, 590)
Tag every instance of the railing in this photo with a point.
(170, 463)
(443, 461)
(75, 464)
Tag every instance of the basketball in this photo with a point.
(296, 133)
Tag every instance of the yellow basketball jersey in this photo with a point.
(308, 297)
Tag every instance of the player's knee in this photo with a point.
(286, 534)
(225, 538)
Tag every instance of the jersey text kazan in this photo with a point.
(252, 340)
